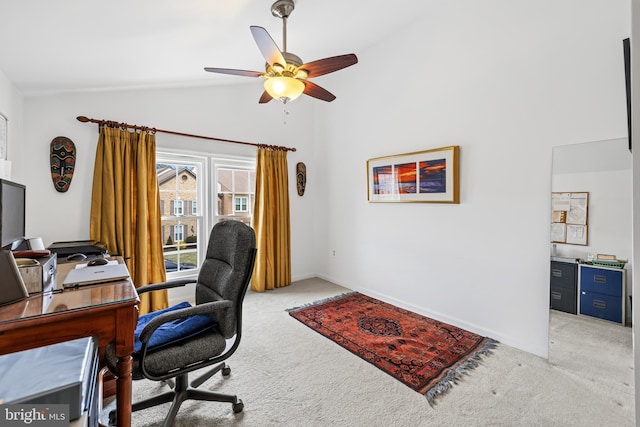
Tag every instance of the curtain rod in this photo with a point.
(110, 123)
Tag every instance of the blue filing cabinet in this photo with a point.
(602, 292)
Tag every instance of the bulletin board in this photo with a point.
(569, 214)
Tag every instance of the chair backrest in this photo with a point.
(227, 269)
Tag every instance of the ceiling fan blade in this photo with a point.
(265, 98)
(267, 46)
(234, 72)
(329, 65)
(316, 91)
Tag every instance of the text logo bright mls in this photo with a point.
(35, 415)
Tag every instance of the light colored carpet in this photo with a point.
(288, 375)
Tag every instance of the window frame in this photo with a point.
(206, 207)
(200, 163)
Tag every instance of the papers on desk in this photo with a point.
(95, 274)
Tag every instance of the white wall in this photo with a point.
(506, 81)
(225, 112)
(11, 103)
(609, 217)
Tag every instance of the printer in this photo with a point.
(89, 248)
(64, 373)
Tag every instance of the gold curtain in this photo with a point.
(125, 207)
(271, 222)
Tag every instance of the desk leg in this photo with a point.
(124, 391)
(126, 325)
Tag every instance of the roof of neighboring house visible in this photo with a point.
(167, 173)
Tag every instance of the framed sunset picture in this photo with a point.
(429, 176)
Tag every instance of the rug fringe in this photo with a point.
(322, 301)
(454, 375)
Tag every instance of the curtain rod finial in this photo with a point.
(82, 119)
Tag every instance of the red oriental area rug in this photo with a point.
(426, 355)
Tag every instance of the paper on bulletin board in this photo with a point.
(560, 202)
(577, 213)
(558, 232)
(577, 234)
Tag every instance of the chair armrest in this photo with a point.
(210, 308)
(164, 285)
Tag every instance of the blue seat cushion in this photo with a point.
(173, 331)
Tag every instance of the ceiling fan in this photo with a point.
(286, 76)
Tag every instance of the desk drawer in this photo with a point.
(601, 305)
(601, 280)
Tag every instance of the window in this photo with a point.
(235, 182)
(241, 204)
(196, 191)
(182, 227)
(178, 233)
(177, 207)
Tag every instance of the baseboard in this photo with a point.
(303, 277)
(419, 310)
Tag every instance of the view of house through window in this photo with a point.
(236, 193)
(179, 188)
(193, 197)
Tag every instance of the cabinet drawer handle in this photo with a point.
(556, 295)
(599, 304)
(600, 279)
(556, 273)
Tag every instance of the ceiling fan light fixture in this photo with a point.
(301, 74)
(276, 68)
(283, 88)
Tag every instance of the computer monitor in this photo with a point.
(12, 213)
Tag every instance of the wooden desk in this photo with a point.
(108, 311)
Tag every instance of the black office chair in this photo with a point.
(220, 289)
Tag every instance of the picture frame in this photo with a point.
(429, 176)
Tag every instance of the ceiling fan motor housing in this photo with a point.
(282, 8)
(292, 59)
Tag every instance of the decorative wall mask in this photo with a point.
(301, 177)
(63, 162)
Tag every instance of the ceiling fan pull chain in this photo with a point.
(285, 113)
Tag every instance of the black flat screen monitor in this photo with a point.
(12, 213)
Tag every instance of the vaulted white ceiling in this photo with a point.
(77, 45)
